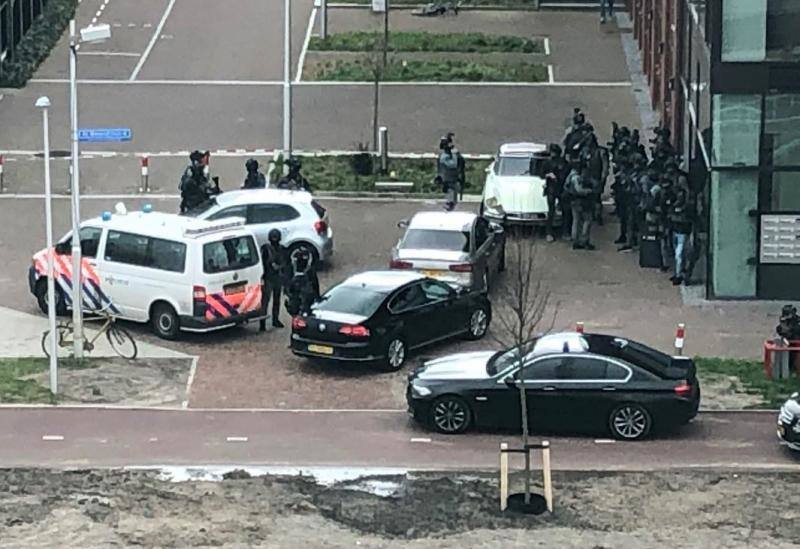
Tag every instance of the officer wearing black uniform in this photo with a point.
(275, 259)
(302, 289)
(254, 178)
(294, 180)
(556, 171)
(194, 185)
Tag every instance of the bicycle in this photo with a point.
(120, 340)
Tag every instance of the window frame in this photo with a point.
(148, 255)
(216, 216)
(391, 303)
(253, 249)
(532, 362)
(275, 207)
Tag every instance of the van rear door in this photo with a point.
(231, 277)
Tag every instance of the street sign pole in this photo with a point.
(287, 79)
(77, 298)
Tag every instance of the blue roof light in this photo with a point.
(106, 216)
(147, 208)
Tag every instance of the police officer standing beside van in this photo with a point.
(276, 263)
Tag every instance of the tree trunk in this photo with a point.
(523, 403)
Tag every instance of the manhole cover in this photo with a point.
(54, 154)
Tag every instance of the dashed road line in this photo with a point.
(604, 441)
(53, 438)
(153, 40)
(110, 53)
(417, 439)
(546, 46)
(309, 29)
(152, 439)
(236, 439)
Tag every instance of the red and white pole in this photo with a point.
(680, 335)
(145, 185)
(579, 327)
(2, 183)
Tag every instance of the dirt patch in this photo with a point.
(140, 382)
(724, 392)
(40, 508)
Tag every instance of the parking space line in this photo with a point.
(110, 53)
(53, 438)
(550, 76)
(153, 40)
(309, 29)
(546, 46)
(236, 439)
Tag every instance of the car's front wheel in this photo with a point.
(450, 415)
(396, 354)
(42, 299)
(630, 422)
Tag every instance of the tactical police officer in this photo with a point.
(276, 261)
(254, 178)
(294, 180)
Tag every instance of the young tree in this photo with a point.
(520, 308)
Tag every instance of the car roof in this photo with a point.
(258, 196)
(522, 149)
(442, 221)
(563, 342)
(382, 281)
(168, 225)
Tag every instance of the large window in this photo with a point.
(230, 254)
(737, 123)
(744, 30)
(783, 30)
(785, 192)
(782, 127)
(143, 251)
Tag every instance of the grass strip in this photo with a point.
(751, 374)
(432, 71)
(14, 388)
(468, 42)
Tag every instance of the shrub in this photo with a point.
(36, 45)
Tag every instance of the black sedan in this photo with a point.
(381, 316)
(573, 383)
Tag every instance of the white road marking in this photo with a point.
(308, 83)
(99, 13)
(147, 26)
(152, 439)
(420, 440)
(116, 25)
(131, 25)
(604, 441)
(236, 439)
(546, 46)
(311, 20)
(190, 380)
(111, 53)
(153, 40)
(550, 76)
(53, 437)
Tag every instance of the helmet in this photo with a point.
(274, 235)
(294, 163)
(555, 150)
(251, 165)
(196, 158)
(788, 311)
(301, 259)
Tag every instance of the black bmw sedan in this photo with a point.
(381, 316)
(573, 383)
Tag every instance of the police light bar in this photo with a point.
(230, 223)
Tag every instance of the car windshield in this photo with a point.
(511, 166)
(503, 360)
(352, 300)
(432, 239)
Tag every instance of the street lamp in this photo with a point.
(287, 78)
(90, 35)
(44, 104)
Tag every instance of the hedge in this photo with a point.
(36, 45)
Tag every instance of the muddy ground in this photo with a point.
(40, 508)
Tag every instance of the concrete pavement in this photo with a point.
(64, 437)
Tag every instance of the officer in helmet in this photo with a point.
(302, 289)
(254, 178)
(275, 259)
(294, 180)
(194, 185)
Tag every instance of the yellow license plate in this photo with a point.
(432, 274)
(321, 349)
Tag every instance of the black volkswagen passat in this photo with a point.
(573, 383)
(381, 316)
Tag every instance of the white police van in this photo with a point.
(174, 272)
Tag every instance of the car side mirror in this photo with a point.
(402, 224)
(496, 228)
(510, 381)
(62, 248)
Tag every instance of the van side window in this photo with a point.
(230, 254)
(167, 255)
(156, 253)
(126, 248)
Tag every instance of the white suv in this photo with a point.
(302, 221)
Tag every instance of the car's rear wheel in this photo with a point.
(165, 321)
(450, 415)
(630, 422)
(478, 324)
(396, 354)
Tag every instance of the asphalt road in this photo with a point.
(63, 437)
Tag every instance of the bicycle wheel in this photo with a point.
(63, 350)
(122, 342)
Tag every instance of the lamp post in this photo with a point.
(90, 34)
(287, 78)
(44, 104)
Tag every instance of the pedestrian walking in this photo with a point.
(449, 172)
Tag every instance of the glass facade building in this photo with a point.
(738, 122)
